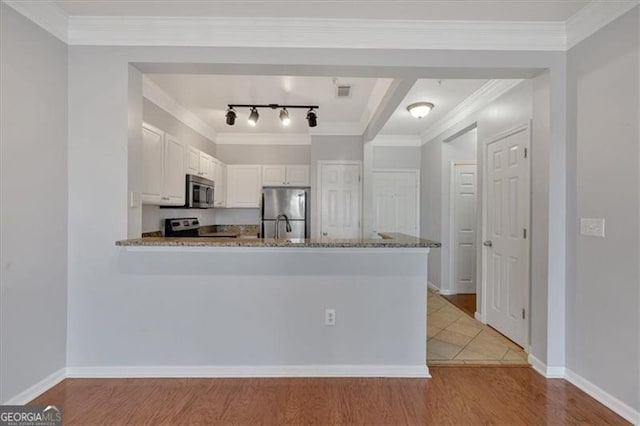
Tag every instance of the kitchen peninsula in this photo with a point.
(234, 307)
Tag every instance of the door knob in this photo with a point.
(324, 234)
(488, 243)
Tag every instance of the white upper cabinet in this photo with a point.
(274, 175)
(298, 175)
(193, 161)
(244, 183)
(152, 147)
(174, 173)
(164, 168)
(220, 179)
(278, 175)
(206, 162)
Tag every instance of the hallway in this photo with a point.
(453, 338)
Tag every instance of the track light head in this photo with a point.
(231, 116)
(284, 117)
(312, 118)
(253, 117)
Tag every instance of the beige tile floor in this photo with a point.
(454, 338)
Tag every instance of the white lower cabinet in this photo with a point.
(244, 184)
(164, 168)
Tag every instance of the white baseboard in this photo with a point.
(478, 316)
(405, 371)
(628, 413)
(544, 370)
(606, 399)
(433, 287)
(38, 389)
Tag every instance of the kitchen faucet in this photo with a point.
(286, 219)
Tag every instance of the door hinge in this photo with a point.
(524, 233)
(526, 152)
(359, 178)
(523, 314)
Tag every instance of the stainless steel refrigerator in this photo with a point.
(289, 208)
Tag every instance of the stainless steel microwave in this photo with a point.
(199, 192)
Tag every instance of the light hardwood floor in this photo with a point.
(455, 395)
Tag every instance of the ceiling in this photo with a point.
(444, 94)
(485, 10)
(208, 95)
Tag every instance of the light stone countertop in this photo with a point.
(386, 241)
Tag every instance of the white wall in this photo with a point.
(603, 298)
(33, 227)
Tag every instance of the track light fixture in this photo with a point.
(231, 116)
(312, 118)
(253, 117)
(285, 119)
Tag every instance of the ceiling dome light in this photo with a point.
(253, 117)
(420, 109)
(231, 116)
(312, 118)
(284, 117)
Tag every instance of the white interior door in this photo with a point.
(395, 202)
(506, 227)
(340, 200)
(464, 223)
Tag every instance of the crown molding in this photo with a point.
(478, 100)
(263, 139)
(44, 13)
(315, 33)
(593, 17)
(152, 92)
(397, 140)
(321, 33)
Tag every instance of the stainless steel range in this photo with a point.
(182, 227)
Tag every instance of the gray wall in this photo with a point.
(160, 118)
(264, 154)
(33, 281)
(539, 214)
(431, 204)
(603, 324)
(396, 157)
(99, 291)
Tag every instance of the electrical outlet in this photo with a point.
(592, 227)
(134, 200)
(330, 317)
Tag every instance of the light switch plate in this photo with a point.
(592, 227)
(134, 200)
